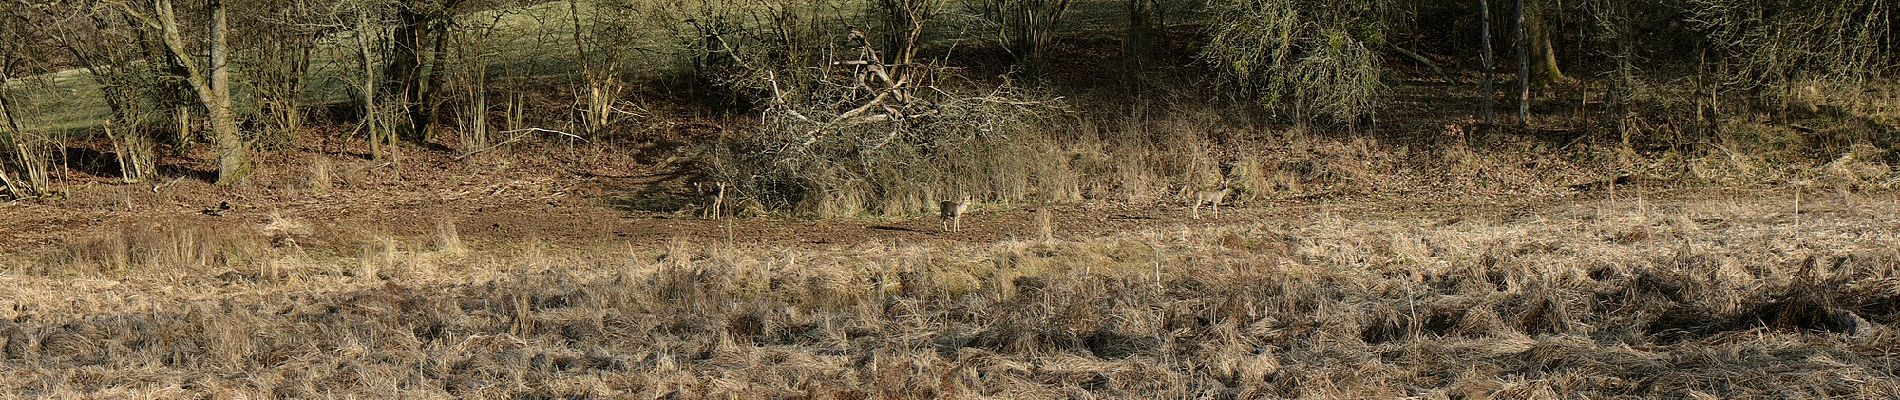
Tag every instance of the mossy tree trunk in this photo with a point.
(1544, 67)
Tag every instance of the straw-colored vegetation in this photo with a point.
(1597, 299)
(489, 199)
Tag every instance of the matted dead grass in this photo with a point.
(1711, 298)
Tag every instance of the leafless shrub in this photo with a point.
(848, 128)
(898, 171)
(1773, 46)
(135, 152)
(27, 163)
(1313, 59)
(471, 91)
(1027, 28)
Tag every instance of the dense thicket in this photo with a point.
(860, 75)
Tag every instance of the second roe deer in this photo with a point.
(952, 213)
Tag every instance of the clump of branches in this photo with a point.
(26, 164)
(26, 159)
(848, 127)
(282, 42)
(737, 49)
(1772, 43)
(1314, 59)
(895, 165)
(897, 153)
(1026, 27)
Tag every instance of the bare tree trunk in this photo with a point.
(417, 43)
(1143, 32)
(404, 69)
(176, 92)
(6, 106)
(382, 140)
(11, 132)
(211, 82)
(430, 95)
(233, 161)
(1489, 90)
(1523, 68)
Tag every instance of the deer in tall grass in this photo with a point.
(1210, 197)
(952, 213)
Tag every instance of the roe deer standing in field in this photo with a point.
(1210, 197)
(952, 213)
(718, 208)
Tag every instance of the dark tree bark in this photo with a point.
(1523, 68)
(409, 83)
(1144, 25)
(430, 96)
(403, 70)
(1489, 90)
(9, 129)
(6, 108)
(1543, 48)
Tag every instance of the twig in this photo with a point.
(546, 130)
(1422, 60)
(491, 147)
(998, 100)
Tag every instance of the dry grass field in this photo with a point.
(1693, 295)
(719, 199)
